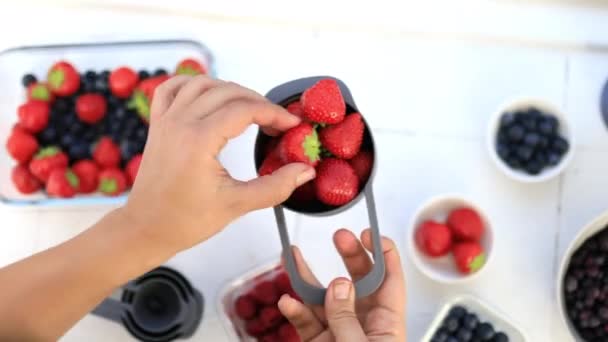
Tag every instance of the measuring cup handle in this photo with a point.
(365, 286)
(111, 309)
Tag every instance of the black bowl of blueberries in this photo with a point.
(530, 140)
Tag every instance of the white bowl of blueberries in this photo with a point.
(530, 140)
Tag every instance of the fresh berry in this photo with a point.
(143, 74)
(271, 316)
(106, 154)
(91, 108)
(295, 108)
(270, 337)
(46, 160)
(143, 94)
(336, 182)
(344, 139)
(21, 145)
(24, 181)
(466, 224)
(282, 282)
(271, 163)
(160, 72)
(469, 256)
(133, 167)
(39, 92)
(305, 193)
(255, 327)
(265, 293)
(123, 81)
(362, 164)
(34, 116)
(28, 79)
(323, 102)
(300, 144)
(287, 333)
(271, 145)
(63, 79)
(112, 182)
(245, 307)
(484, 331)
(88, 174)
(433, 239)
(62, 183)
(190, 66)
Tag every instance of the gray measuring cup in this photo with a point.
(283, 95)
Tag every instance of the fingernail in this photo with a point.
(305, 176)
(342, 289)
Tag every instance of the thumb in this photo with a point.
(340, 312)
(271, 190)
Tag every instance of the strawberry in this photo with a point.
(142, 96)
(24, 181)
(295, 108)
(62, 183)
(112, 182)
(133, 167)
(323, 103)
(469, 256)
(91, 108)
(106, 153)
(300, 144)
(265, 293)
(88, 174)
(344, 140)
(63, 79)
(270, 316)
(304, 193)
(282, 282)
(271, 163)
(271, 145)
(39, 92)
(362, 164)
(255, 327)
(336, 182)
(245, 307)
(46, 160)
(21, 145)
(433, 239)
(466, 224)
(123, 81)
(190, 66)
(34, 116)
(288, 333)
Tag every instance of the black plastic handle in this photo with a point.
(111, 309)
(365, 286)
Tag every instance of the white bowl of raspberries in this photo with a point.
(450, 239)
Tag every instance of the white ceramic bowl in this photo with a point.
(443, 269)
(589, 230)
(565, 130)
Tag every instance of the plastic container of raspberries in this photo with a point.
(247, 306)
(92, 62)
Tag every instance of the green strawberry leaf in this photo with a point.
(47, 152)
(40, 92)
(312, 147)
(139, 101)
(185, 70)
(72, 178)
(56, 78)
(477, 262)
(108, 186)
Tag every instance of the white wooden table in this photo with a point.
(427, 90)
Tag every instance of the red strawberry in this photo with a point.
(362, 164)
(270, 337)
(17, 127)
(63, 79)
(21, 145)
(34, 116)
(304, 193)
(282, 282)
(287, 333)
(271, 145)
(46, 160)
(112, 182)
(190, 66)
(300, 144)
(123, 81)
(265, 293)
(469, 256)
(24, 181)
(272, 163)
(62, 183)
(133, 167)
(106, 153)
(466, 224)
(295, 108)
(91, 108)
(336, 182)
(270, 316)
(255, 327)
(88, 174)
(323, 102)
(245, 307)
(433, 239)
(142, 96)
(39, 92)
(344, 140)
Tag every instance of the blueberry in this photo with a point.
(143, 74)
(28, 79)
(90, 75)
(141, 134)
(529, 123)
(104, 75)
(524, 153)
(114, 102)
(120, 113)
(48, 136)
(76, 128)
(464, 335)
(543, 143)
(516, 133)
(500, 337)
(67, 140)
(132, 122)
(503, 151)
(101, 85)
(79, 150)
(514, 163)
(451, 324)
(452, 339)
(541, 158)
(503, 137)
(470, 321)
(440, 336)
(506, 120)
(90, 134)
(87, 87)
(115, 127)
(532, 139)
(560, 145)
(533, 167)
(548, 126)
(484, 331)
(160, 72)
(68, 119)
(457, 311)
(61, 105)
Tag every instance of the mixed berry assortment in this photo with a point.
(255, 307)
(586, 288)
(81, 133)
(461, 325)
(529, 140)
(330, 138)
(461, 235)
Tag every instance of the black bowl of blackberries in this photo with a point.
(530, 140)
(583, 283)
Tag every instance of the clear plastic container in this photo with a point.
(16, 62)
